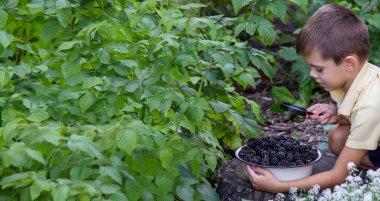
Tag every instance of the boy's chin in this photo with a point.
(326, 88)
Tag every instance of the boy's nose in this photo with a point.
(313, 74)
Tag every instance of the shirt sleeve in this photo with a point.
(365, 129)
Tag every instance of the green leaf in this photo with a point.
(301, 3)
(64, 17)
(62, 4)
(111, 172)
(277, 7)
(8, 114)
(38, 186)
(84, 144)
(164, 184)
(245, 79)
(306, 90)
(72, 67)
(301, 67)
(282, 94)
(195, 113)
(9, 130)
(192, 6)
(255, 109)
(127, 140)
(3, 18)
(132, 86)
(133, 190)
(5, 77)
(121, 70)
(67, 45)
(207, 193)
(222, 58)
(239, 28)
(238, 4)
(266, 30)
(220, 107)
(5, 38)
(60, 193)
(251, 28)
(166, 156)
(86, 101)
(92, 81)
(35, 155)
(262, 63)
(212, 161)
(38, 115)
(17, 179)
(185, 192)
(288, 53)
(374, 20)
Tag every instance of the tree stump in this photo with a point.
(234, 185)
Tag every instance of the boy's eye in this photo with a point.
(319, 69)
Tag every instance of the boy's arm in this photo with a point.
(342, 120)
(329, 178)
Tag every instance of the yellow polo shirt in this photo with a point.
(361, 106)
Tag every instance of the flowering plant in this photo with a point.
(354, 188)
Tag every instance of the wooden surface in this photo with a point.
(234, 185)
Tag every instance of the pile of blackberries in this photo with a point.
(277, 151)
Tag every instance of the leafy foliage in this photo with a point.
(117, 100)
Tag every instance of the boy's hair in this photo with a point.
(337, 32)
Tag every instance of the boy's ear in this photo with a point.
(351, 63)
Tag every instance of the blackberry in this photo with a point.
(297, 156)
(272, 153)
(265, 160)
(265, 145)
(288, 145)
(253, 142)
(255, 160)
(299, 162)
(264, 153)
(281, 149)
(281, 155)
(289, 157)
(274, 162)
(277, 151)
(304, 147)
(284, 163)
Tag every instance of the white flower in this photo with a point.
(354, 188)
(293, 190)
(350, 165)
(367, 197)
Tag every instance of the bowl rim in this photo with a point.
(269, 166)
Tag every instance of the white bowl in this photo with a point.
(286, 173)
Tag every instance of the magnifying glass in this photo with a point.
(295, 109)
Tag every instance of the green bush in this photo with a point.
(117, 100)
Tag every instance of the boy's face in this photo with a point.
(326, 72)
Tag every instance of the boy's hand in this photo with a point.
(323, 113)
(262, 179)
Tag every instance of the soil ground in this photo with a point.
(305, 129)
(275, 123)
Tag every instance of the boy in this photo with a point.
(335, 43)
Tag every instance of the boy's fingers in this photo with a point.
(313, 107)
(250, 171)
(259, 171)
(251, 174)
